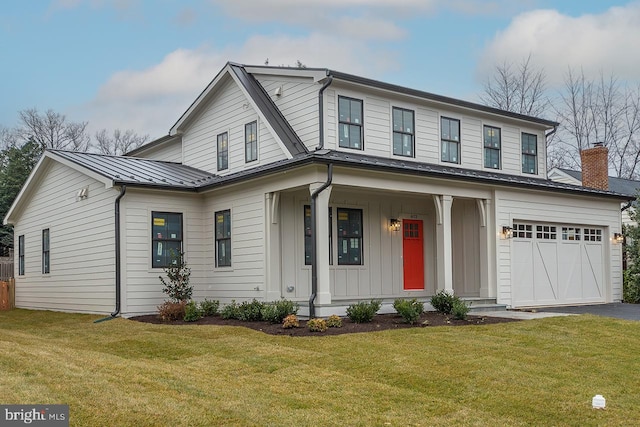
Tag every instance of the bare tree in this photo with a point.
(52, 130)
(517, 88)
(119, 143)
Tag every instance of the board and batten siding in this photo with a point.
(228, 111)
(378, 131)
(558, 209)
(82, 265)
(141, 287)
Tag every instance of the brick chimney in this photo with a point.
(595, 167)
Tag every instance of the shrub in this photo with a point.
(459, 309)
(275, 312)
(170, 310)
(317, 325)
(250, 311)
(363, 312)
(209, 307)
(334, 321)
(192, 312)
(410, 310)
(631, 287)
(231, 311)
(442, 302)
(291, 321)
(177, 285)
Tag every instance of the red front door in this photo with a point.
(413, 254)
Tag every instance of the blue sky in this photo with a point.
(138, 64)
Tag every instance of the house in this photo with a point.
(320, 187)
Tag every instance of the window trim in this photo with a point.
(248, 143)
(21, 255)
(449, 141)
(162, 239)
(411, 133)
(529, 155)
(350, 236)
(219, 151)
(218, 241)
(349, 123)
(46, 251)
(491, 148)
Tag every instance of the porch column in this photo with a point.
(273, 282)
(484, 207)
(444, 264)
(323, 295)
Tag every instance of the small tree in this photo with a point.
(631, 286)
(177, 285)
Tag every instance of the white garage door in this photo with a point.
(556, 264)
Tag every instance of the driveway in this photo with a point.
(618, 310)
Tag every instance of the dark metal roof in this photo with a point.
(139, 172)
(628, 187)
(270, 111)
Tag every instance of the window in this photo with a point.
(592, 235)
(223, 151)
(349, 236)
(492, 147)
(570, 233)
(223, 238)
(529, 153)
(350, 123)
(522, 231)
(545, 232)
(45, 251)
(21, 255)
(166, 237)
(251, 142)
(403, 132)
(450, 137)
(308, 245)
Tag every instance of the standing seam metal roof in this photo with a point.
(617, 185)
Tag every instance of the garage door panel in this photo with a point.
(592, 271)
(570, 273)
(545, 271)
(523, 270)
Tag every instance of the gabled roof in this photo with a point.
(628, 187)
(166, 139)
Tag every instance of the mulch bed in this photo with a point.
(380, 322)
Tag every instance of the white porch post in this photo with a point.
(323, 295)
(484, 206)
(272, 246)
(444, 263)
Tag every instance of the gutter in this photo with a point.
(321, 111)
(314, 232)
(627, 206)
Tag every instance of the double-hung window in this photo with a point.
(350, 123)
(529, 153)
(349, 236)
(46, 267)
(166, 238)
(223, 151)
(492, 146)
(403, 132)
(251, 142)
(223, 238)
(450, 140)
(21, 255)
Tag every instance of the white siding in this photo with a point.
(171, 152)
(228, 111)
(82, 266)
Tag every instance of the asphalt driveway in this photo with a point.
(618, 310)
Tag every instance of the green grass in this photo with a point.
(124, 373)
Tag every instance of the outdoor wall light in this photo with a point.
(507, 232)
(394, 224)
(618, 237)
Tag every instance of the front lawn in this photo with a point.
(121, 372)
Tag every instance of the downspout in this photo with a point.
(314, 253)
(321, 111)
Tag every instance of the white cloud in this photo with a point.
(152, 99)
(596, 43)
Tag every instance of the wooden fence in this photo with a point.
(6, 268)
(7, 294)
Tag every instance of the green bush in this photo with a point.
(317, 325)
(250, 311)
(631, 287)
(291, 321)
(459, 309)
(363, 312)
(209, 307)
(231, 311)
(177, 285)
(192, 312)
(275, 312)
(442, 302)
(410, 310)
(170, 310)
(334, 321)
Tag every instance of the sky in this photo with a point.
(138, 64)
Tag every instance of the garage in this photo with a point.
(556, 264)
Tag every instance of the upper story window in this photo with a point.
(251, 141)
(223, 238)
(492, 146)
(21, 255)
(350, 123)
(46, 267)
(529, 153)
(166, 238)
(223, 151)
(403, 132)
(450, 140)
(349, 236)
